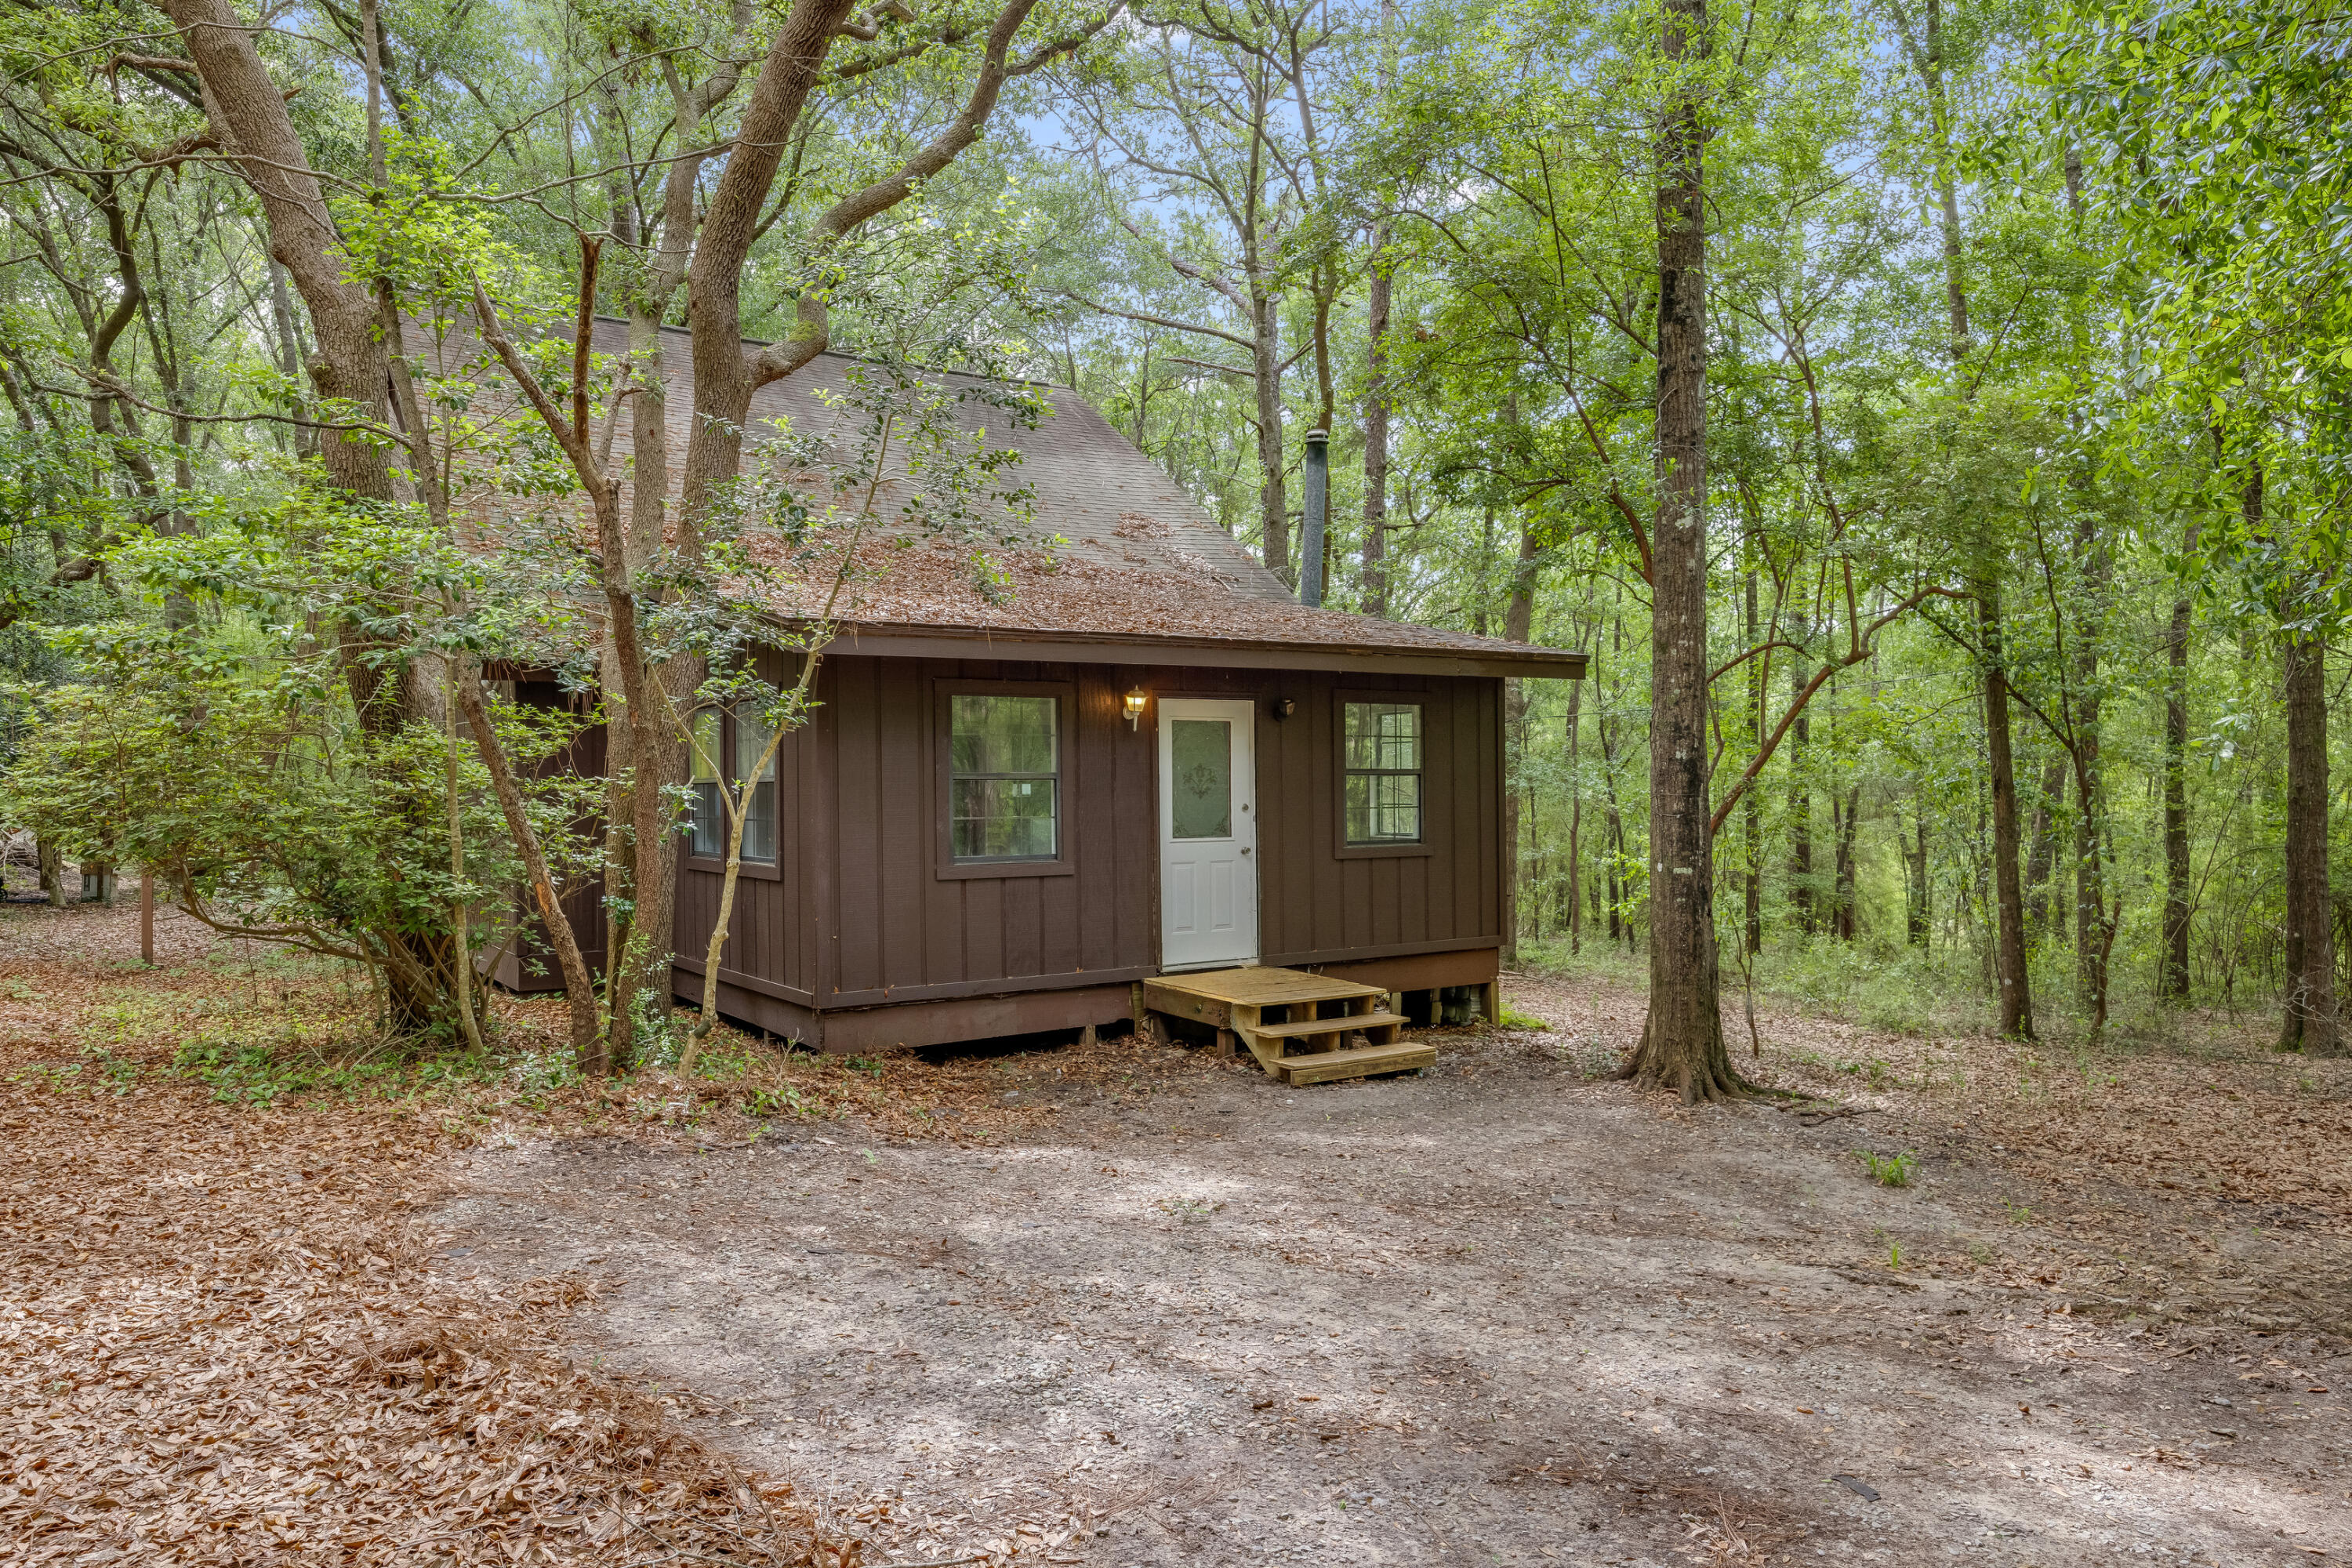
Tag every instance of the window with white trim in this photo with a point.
(1382, 754)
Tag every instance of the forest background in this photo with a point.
(1931, 418)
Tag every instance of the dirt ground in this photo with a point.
(1505, 1312)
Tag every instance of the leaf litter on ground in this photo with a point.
(226, 1338)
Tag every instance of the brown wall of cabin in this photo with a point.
(855, 915)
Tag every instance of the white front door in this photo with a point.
(1208, 834)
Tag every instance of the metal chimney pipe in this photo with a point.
(1318, 506)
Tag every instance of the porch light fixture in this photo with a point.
(1283, 707)
(1133, 704)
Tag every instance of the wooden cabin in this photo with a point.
(1144, 765)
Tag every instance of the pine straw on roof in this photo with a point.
(223, 1339)
(934, 582)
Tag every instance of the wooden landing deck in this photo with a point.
(1297, 1025)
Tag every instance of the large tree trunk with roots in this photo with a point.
(1682, 1042)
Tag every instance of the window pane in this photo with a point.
(1200, 758)
(709, 831)
(1003, 819)
(1383, 735)
(1002, 759)
(1003, 734)
(705, 750)
(760, 824)
(751, 740)
(1383, 808)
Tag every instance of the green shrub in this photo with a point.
(1888, 1170)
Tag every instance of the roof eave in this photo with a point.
(901, 640)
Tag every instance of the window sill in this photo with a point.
(757, 870)
(968, 871)
(1384, 851)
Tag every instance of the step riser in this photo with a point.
(1301, 1070)
(1309, 1030)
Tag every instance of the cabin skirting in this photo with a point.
(915, 1024)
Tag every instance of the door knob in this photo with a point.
(1244, 851)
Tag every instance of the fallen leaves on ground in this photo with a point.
(222, 1340)
(2183, 1166)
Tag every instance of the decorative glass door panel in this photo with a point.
(1208, 834)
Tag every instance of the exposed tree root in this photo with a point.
(1699, 1071)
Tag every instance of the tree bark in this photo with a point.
(1265, 378)
(2173, 981)
(1751, 807)
(2008, 950)
(1845, 826)
(248, 113)
(1374, 591)
(2311, 1024)
(1800, 805)
(714, 289)
(579, 984)
(1681, 1040)
(2044, 854)
(1518, 622)
(1918, 922)
(1575, 819)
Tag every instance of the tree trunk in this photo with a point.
(2009, 949)
(2172, 982)
(1614, 823)
(1919, 918)
(2043, 855)
(248, 113)
(1272, 490)
(1682, 1041)
(350, 367)
(1801, 804)
(722, 380)
(1751, 806)
(52, 864)
(2093, 922)
(1846, 825)
(1575, 820)
(1375, 588)
(2311, 1024)
(579, 984)
(1518, 624)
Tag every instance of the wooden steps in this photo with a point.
(1297, 1025)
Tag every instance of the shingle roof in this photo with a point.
(1117, 558)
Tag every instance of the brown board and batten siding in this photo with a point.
(866, 934)
(912, 925)
(1320, 903)
(776, 932)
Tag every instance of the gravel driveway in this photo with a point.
(1501, 1313)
